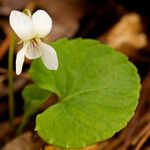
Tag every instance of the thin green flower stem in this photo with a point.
(10, 79)
(24, 121)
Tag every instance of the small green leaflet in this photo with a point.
(98, 90)
(34, 97)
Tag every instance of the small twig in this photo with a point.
(142, 141)
(141, 134)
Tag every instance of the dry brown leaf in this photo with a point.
(22, 142)
(127, 35)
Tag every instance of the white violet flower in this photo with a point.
(30, 30)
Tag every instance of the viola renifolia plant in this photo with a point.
(97, 87)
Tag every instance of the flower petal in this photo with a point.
(42, 23)
(20, 59)
(21, 24)
(33, 50)
(49, 57)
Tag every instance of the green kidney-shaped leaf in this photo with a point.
(97, 88)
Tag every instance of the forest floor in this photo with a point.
(122, 24)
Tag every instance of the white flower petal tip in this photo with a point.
(42, 23)
(21, 24)
(49, 57)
